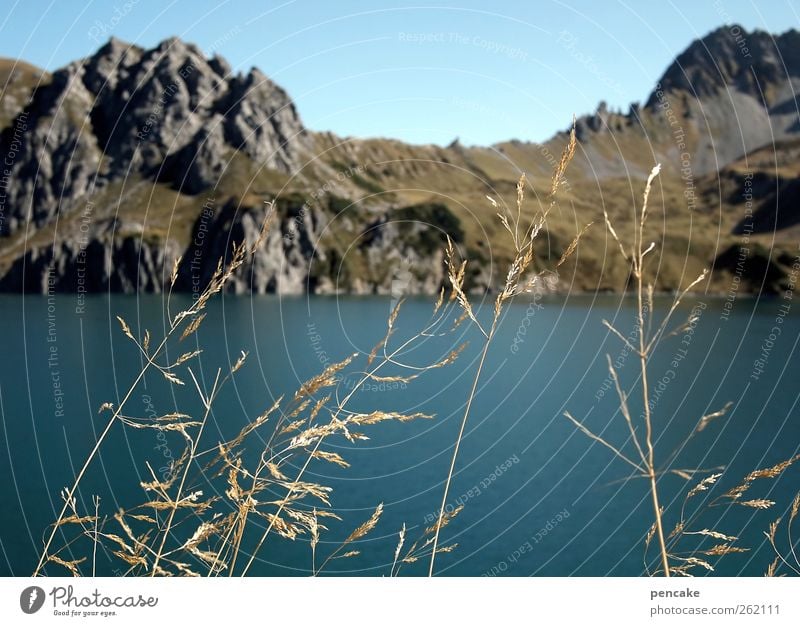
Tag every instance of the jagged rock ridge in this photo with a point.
(128, 159)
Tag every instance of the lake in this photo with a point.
(539, 497)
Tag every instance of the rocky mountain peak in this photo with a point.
(131, 157)
(166, 113)
(731, 57)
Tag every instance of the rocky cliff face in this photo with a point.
(733, 59)
(166, 114)
(90, 146)
(727, 94)
(119, 163)
(107, 262)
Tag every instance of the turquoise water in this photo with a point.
(540, 498)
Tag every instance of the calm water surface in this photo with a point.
(540, 498)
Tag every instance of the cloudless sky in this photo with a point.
(420, 71)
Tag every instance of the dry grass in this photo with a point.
(672, 558)
(646, 341)
(179, 529)
(784, 559)
(187, 321)
(220, 504)
(520, 278)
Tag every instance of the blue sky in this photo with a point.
(420, 71)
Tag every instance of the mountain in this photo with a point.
(120, 163)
